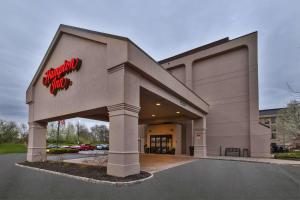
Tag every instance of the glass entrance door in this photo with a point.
(161, 144)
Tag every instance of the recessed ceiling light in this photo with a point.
(158, 104)
(153, 115)
(178, 112)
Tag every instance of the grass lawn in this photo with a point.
(12, 148)
(288, 156)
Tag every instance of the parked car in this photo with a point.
(75, 147)
(279, 149)
(52, 146)
(105, 146)
(102, 147)
(84, 147)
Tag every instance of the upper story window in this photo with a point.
(273, 135)
(265, 121)
(273, 120)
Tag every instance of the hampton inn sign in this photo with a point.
(56, 77)
(142, 98)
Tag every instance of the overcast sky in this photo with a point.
(162, 28)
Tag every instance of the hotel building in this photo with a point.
(204, 100)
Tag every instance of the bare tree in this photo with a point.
(100, 133)
(24, 132)
(288, 121)
(295, 93)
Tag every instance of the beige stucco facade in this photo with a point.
(225, 75)
(207, 97)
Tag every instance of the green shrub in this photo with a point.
(61, 151)
(290, 156)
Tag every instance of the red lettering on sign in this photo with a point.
(55, 77)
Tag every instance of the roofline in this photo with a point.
(95, 32)
(271, 109)
(54, 40)
(195, 50)
(201, 48)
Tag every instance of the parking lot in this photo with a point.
(201, 179)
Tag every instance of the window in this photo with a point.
(273, 135)
(273, 120)
(264, 120)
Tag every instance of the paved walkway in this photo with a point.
(158, 162)
(260, 160)
(149, 162)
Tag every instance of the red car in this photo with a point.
(84, 147)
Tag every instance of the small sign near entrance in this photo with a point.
(55, 78)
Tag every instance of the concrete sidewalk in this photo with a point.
(257, 160)
(149, 162)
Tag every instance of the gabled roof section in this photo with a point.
(56, 38)
(95, 32)
(204, 48)
(114, 43)
(201, 48)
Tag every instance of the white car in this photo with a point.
(102, 147)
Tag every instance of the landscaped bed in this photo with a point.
(288, 156)
(94, 172)
(61, 151)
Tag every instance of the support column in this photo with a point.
(142, 129)
(200, 137)
(178, 150)
(36, 150)
(189, 136)
(123, 156)
(124, 98)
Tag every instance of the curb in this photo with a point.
(252, 161)
(90, 180)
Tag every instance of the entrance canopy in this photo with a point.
(100, 76)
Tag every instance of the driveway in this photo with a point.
(201, 179)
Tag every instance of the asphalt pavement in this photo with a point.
(201, 179)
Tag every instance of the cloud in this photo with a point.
(161, 28)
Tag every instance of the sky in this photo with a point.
(160, 27)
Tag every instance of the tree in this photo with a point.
(83, 134)
(9, 131)
(51, 132)
(100, 133)
(24, 132)
(70, 133)
(288, 121)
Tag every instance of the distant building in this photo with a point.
(268, 117)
